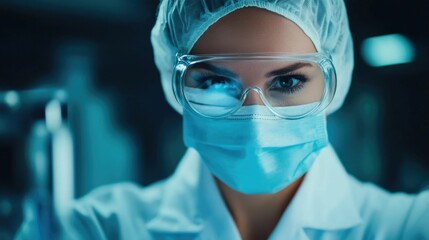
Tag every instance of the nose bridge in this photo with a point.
(252, 96)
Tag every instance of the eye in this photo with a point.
(215, 82)
(211, 82)
(288, 84)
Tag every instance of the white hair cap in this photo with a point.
(180, 23)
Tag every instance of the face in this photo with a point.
(254, 30)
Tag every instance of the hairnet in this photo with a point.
(181, 22)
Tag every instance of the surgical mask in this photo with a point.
(254, 151)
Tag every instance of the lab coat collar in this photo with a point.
(324, 201)
(193, 207)
(192, 203)
(177, 213)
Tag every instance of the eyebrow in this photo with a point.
(287, 69)
(227, 73)
(219, 70)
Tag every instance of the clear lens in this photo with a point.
(218, 86)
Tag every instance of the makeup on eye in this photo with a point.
(211, 83)
(289, 83)
(285, 80)
(288, 69)
(206, 80)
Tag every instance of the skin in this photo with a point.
(257, 74)
(253, 30)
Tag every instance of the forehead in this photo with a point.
(253, 30)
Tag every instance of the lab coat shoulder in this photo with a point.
(347, 208)
(388, 215)
(118, 211)
(166, 209)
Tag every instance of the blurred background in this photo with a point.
(78, 83)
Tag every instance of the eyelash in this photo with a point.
(202, 78)
(301, 77)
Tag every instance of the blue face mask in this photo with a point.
(254, 151)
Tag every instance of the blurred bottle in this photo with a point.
(35, 133)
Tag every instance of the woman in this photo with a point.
(254, 81)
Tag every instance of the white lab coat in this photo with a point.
(330, 204)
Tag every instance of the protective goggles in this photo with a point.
(292, 86)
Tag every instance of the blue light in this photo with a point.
(387, 50)
(11, 98)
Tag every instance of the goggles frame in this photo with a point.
(323, 60)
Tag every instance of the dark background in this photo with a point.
(123, 129)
